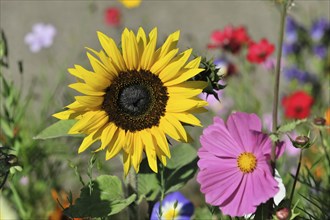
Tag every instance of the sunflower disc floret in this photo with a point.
(133, 98)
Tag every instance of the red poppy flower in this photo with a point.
(112, 16)
(297, 105)
(259, 52)
(230, 39)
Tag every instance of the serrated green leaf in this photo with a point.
(290, 126)
(106, 198)
(58, 129)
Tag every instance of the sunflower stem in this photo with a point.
(132, 188)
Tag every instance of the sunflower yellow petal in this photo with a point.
(86, 89)
(186, 118)
(141, 40)
(160, 64)
(161, 140)
(90, 120)
(178, 126)
(148, 53)
(138, 151)
(172, 70)
(89, 140)
(169, 44)
(106, 61)
(112, 51)
(108, 134)
(169, 129)
(130, 50)
(116, 144)
(181, 105)
(183, 75)
(186, 89)
(65, 115)
(161, 156)
(91, 101)
(127, 162)
(150, 149)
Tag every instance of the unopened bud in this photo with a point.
(319, 121)
(283, 214)
(301, 142)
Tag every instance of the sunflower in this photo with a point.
(135, 97)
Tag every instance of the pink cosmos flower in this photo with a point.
(235, 173)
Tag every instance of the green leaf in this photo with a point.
(290, 126)
(58, 129)
(5, 127)
(181, 155)
(106, 198)
(148, 186)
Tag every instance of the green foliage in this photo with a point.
(179, 170)
(58, 129)
(105, 199)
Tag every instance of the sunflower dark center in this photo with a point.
(135, 100)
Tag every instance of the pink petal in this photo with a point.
(240, 125)
(217, 139)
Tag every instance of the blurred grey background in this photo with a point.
(77, 22)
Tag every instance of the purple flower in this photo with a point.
(174, 206)
(291, 48)
(294, 73)
(235, 173)
(320, 51)
(41, 37)
(319, 29)
(291, 30)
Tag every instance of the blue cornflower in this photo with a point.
(174, 207)
(293, 73)
(319, 29)
(291, 30)
(320, 50)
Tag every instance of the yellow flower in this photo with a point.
(131, 3)
(135, 97)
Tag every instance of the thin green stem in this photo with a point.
(18, 201)
(277, 82)
(295, 178)
(324, 148)
(162, 190)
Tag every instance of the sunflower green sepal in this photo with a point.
(135, 97)
(211, 77)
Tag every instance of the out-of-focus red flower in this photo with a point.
(297, 105)
(259, 52)
(230, 39)
(112, 16)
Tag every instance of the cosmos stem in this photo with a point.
(295, 178)
(277, 82)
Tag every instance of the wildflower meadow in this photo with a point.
(165, 110)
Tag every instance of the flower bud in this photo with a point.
(319, 121)
(301, 142)
(283, 214)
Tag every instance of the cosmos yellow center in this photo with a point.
(170, 214)
(246, 162)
